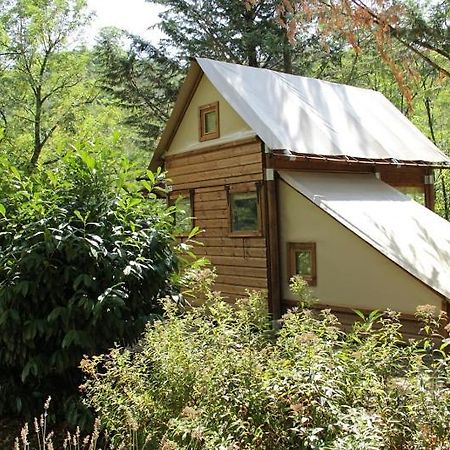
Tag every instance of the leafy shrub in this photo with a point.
(83, 257)
(218, 377)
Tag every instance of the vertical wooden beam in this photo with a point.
(272, 239)
(445, 306)
(429, 189)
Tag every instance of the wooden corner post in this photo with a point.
(429, 189)
(272, 237)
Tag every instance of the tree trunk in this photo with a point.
(433, 138)
(252, 54)
(287, 55)
(444, 196)
(37, 147)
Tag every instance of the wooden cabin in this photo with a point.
(287, 175)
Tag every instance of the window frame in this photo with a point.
(244, 189)
(185, 193)
(292, 249)
(203, 110)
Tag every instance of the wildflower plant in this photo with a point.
(218, 376)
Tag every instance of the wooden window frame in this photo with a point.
(292, 249)
(187, 193)
(243, 189)
(203, 110)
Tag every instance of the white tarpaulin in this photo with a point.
(409, 234)
(309, 116)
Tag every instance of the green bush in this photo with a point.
(219, 377)
(83, 257)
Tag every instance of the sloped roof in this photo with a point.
(405, 232)
(307, 116)
(313, 117)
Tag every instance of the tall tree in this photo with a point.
(144, 79)
(140, 78)
(42, 68)
(422, 28)
(237, 31)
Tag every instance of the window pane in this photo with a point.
(414, 193)
(210, 122)
(183, 214)
(244, 211)
(303, 263)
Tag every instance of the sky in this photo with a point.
(135, 16)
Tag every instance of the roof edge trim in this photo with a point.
(182, 102)
(290, 155)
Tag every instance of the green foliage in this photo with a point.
(243, 32)
(44, 73)
(218, 376)
(239, 32)
(84, 255)
(140, 79)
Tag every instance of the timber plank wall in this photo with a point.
(240, 262)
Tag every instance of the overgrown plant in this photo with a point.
(85, 251)
(38, 436)
(218, 376)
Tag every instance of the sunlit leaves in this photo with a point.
(83, 258)
(218, 376)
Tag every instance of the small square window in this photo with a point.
(184, 212)
(244, 212)
(209, 122)
(302, 261)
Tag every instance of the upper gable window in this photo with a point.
(209, 122)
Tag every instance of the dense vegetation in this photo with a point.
(218, 376)
(84, 257)
(86, 250)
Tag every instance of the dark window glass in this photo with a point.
(210, 122)
(183, 214)
(303, 263)
(244, 211)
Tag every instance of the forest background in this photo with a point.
(59, 94)
(70, 115)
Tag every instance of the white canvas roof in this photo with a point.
(313, 117)
(407, 233)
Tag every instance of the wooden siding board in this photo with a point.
(232, 242)
(212, 154)
(219, 174)
(230, 163)
(240, 261)
(212, 204)
(232, 289)
(241, 252)
(211, 196)
(213, 182)
(242, 271)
